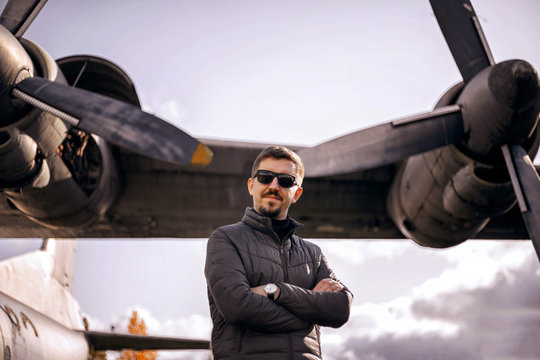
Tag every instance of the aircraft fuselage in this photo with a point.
(26, 334)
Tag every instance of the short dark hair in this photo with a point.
(280, 152)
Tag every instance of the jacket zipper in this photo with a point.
(285, 265)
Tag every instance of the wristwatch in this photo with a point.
(270, 290)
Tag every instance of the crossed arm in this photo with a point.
(327, 304)
(325, 285)
(295, 308)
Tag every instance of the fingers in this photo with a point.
(328, 285)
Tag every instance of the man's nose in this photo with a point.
(274, 184)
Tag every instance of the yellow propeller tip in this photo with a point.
(202, 155)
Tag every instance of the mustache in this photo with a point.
(273, 193)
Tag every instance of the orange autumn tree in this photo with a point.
(137, 326)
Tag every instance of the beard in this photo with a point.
(269, 210)
(271, 213)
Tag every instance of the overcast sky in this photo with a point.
(301, 72)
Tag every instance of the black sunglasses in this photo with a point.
(266, 177)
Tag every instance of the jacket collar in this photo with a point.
(264, 223)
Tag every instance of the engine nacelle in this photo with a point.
(441, 198)
(445, 196)
(83, 184)
(19, 159)
(57, 176)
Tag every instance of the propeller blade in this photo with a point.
(384, 144)
(117, 122)
(464, 36)
(19, 14)
(526, 183)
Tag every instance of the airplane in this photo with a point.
(79, 159)
(40, 318)
(96, 181)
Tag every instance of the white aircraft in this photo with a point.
(40, 318)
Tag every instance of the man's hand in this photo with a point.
(260, 290)
(328, 285)
(325, 285)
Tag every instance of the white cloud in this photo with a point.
(485, 305)
(193, 327)
(196, 326)
(95, 324)
(359, 252)
(121, 321)
(393, 318)
(476, 264)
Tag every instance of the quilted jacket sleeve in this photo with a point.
(230, 290)
(321, 308)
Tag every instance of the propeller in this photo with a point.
(469, 47)
(526, 183)
(464, 36)
(384, 144)
(395, 141)
(388, 143)
(19, 14)
(117, 122)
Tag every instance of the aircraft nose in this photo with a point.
(500, 106)
(516, 84)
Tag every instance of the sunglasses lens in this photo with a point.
(285, 181)
(265, 178)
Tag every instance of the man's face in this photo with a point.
(271, 199)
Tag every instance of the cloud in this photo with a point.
(430, 347)
(196, 326)
(94, 323)
(476, 264)
(359, 252)
(192, 327)
(502, 319)
(411, 347)
(485, 305)
(121, 321)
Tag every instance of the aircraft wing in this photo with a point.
(160, 199)
(81, 159)
(166, 200)
(101, 341)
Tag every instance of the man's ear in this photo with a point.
(297, 194)
(250, 186)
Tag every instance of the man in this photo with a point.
(269, 290)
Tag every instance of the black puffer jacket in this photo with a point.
(250, 326)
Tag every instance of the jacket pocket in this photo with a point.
(254, 342)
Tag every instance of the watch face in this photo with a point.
(270, 288)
